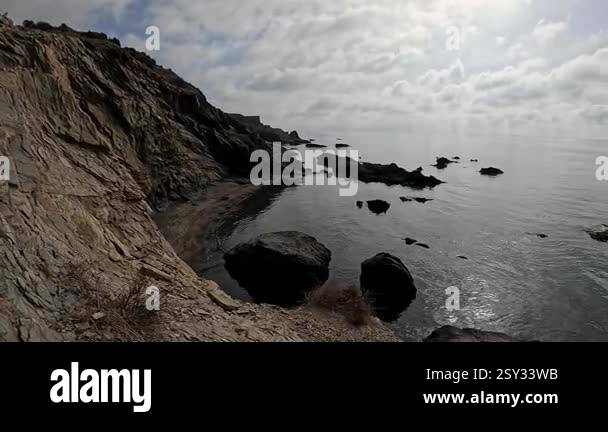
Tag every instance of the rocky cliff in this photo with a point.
(99, 139)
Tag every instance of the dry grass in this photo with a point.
(344, 300)
(125, 314)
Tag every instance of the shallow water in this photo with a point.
(542, 289)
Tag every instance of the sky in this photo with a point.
(516, 66)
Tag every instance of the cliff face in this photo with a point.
(99, 138)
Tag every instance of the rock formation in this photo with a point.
(100, 138)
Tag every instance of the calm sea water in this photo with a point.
(553, 289)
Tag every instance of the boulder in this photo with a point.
(360, 204)
(454, 334)
(279, 268)
(491, 171)
(378, 206)
(388, 285)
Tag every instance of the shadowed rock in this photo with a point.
(360, 204)
(388, 285)
(423, 245)
(410, 241)
(491, 171)
(454, 334)
(378, 206)
(279, 268)
(342, 145)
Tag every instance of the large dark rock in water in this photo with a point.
(454, 334)
(393, 174)
(390, 175)
(279, 268)
(491, 171)
(388, 285)
(378, 206)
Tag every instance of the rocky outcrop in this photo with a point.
(388, 285)
(279, 268)
(454, 334)
(254, 125)
(491, 171)
(393, 174)
(390, 175)
(100, 139)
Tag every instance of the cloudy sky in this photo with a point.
(539, 66)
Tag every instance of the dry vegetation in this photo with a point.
(121, 314)
(344, 300)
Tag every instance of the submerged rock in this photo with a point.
(378, 206)
(539, 235)
(388, 285)
(454, 334)
(474, 160)
(462, 257)
(599, 233)
(405, 199)
(342, 145)
(279, 268)
(491, 171)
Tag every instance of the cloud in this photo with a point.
(322, 64)
(546, 32)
